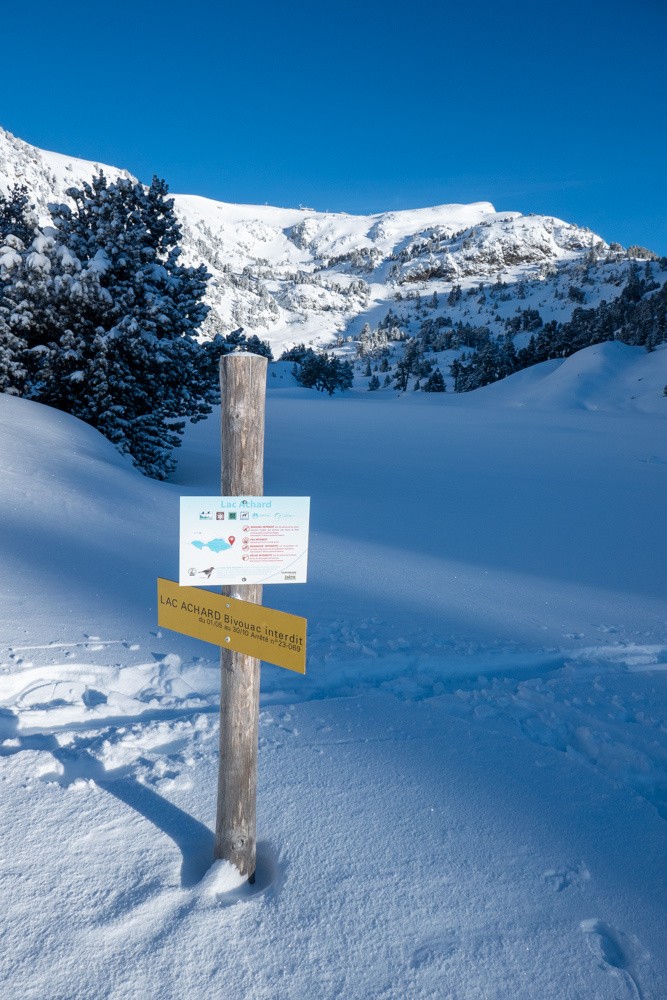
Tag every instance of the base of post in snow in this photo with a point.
(236, 852)
(235, 836)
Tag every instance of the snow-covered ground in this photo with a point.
(466, 795)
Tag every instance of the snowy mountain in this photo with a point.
(297, 275)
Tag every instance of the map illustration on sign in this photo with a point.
(237, 540)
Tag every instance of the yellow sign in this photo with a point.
(247, 628)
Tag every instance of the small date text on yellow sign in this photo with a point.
(269, 635)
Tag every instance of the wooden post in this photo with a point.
(243, 391)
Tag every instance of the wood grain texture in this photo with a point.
(243, 392)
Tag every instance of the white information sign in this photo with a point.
(232, 540)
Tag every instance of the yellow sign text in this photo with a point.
(252, 629)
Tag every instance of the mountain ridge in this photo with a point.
(296, 275)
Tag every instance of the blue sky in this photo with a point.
(361, 106)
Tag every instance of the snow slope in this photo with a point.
(465, 797)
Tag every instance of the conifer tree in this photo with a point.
(407, 366)
(36, 285)
(18, 227)
(12, 367)
(17, 215)
(128, 362)
(325, 373)
(435, 382)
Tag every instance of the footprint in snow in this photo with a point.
(435, 952)
(615, 952)
(565, 878)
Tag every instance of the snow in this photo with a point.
(464, 797)
(335, 232)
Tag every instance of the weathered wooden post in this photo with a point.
(243, 390)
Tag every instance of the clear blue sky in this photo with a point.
(360, 106)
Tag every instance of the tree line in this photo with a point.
(637, 317)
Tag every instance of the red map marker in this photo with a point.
(231, 539)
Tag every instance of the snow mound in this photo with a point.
(611, 376)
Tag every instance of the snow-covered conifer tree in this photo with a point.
(130, 364)
(12, 346)
(18, 226)
(17, 217)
